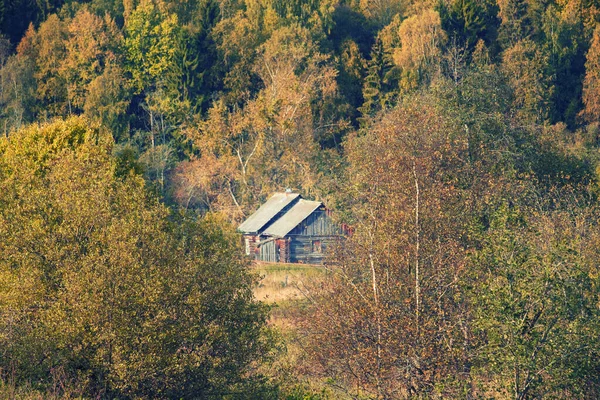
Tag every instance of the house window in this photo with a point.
(247, 246)
(316, 246)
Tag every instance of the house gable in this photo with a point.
(292, 218)
(318, 223)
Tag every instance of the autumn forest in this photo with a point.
(459, 139)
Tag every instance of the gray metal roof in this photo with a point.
(292, 218)
(267, 212)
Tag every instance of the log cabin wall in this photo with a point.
(319, 223)
(284, 250)
(310, 240)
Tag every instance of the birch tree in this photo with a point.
(272, 141)
(388, 318)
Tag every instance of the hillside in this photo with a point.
(459, 139)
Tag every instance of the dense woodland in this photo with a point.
(459, 138)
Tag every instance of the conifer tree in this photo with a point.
(1, 15)
(470, 20)
(375, 86)
(516, 24)
(566, 42)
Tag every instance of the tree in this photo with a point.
(566, 44)
(351, 71)
(153, 45)
(315, 15)
(5, 49)
(107, 100)
(200, 56)
(470, 21)
(236, 38)
(524, 65)
(375, 84)
(49, 51)
(154, 50)
(382, 11)
(591, 83)
(2, 11)
(17, 15)
(101, 281)
(274, 139)
(17, 93)
(516, 25)
(534, 292)
(91, 47)
(420, 53)
(206, 183)
(385, 322)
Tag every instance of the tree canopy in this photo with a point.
(103, 283)
(458, 139)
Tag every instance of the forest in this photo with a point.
(460, 139)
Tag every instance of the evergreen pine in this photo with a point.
(376, 83)
(516, 24)
(469, 21)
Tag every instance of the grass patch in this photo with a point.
(284, 283)
(283, 286)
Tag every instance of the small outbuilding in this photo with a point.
(290, 229)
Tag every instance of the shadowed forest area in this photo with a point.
(460, 140)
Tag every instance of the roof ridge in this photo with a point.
(292, 217)
(265, 214)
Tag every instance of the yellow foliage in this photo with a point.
(421, 38)
(591, 82)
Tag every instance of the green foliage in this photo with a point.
(566, 43)
(2, 11)
(49, 51)
(470, 21)
(101, 281)
(153, 45)
(516, 25)
(313, 13)
(524, 64)
(534, 301)
(377, 89)
(199, 56)
(17, 93)
(107, 100)
(17, 15)
(213, 105)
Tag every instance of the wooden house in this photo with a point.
(290, 229)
